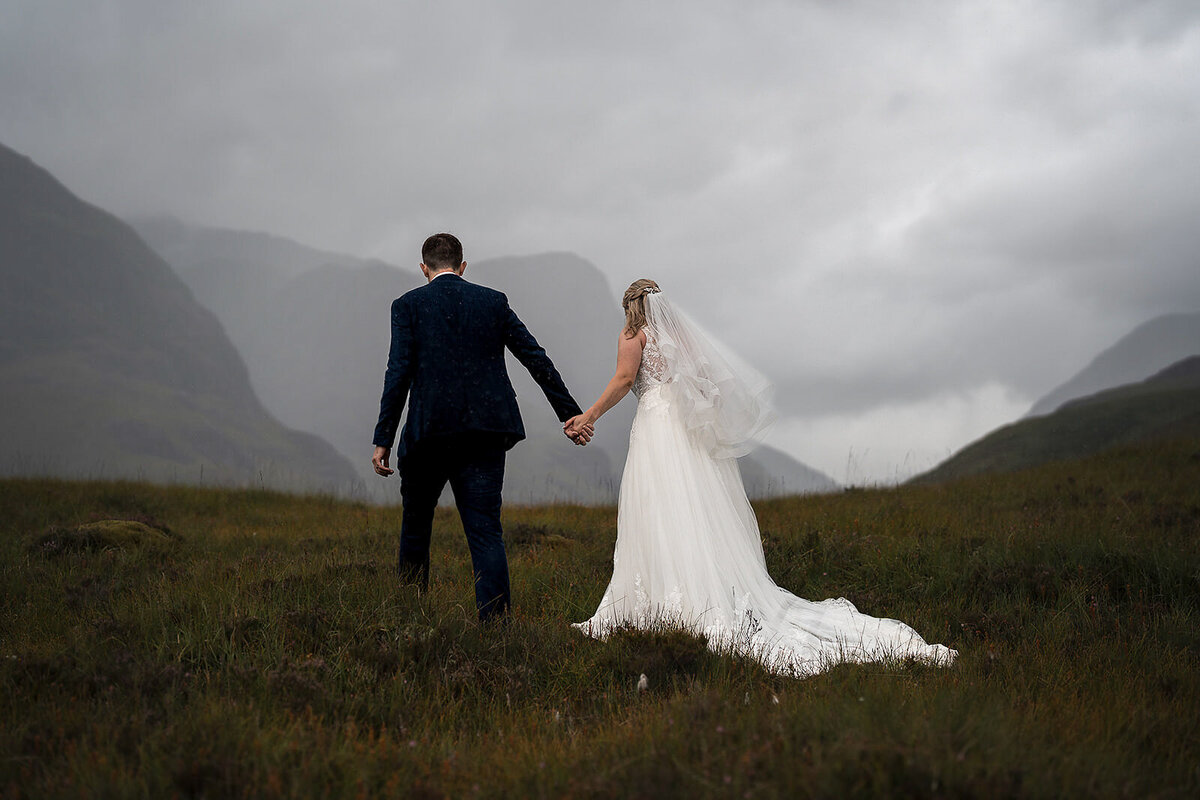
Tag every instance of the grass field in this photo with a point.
(242, 643)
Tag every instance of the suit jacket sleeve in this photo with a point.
(398, 377)
(521, 343)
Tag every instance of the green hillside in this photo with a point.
(183, 642)
(111, 368)
(1150, 347)
(1167, 404)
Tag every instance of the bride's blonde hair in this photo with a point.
(634, 303)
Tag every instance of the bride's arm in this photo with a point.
(629, 358)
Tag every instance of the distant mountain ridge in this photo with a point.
(175, 241)
(316, 343)
(110, 366)
(768, 472)
(1164, 405)
(1147, 349)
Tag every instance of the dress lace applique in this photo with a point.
(653, 369)
(641, 600)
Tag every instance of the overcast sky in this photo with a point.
(917, 217)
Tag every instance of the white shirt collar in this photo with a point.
(437, 275)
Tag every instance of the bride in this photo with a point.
(688, 551)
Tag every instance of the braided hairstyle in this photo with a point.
(634, 303)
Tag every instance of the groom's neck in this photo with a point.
(430, 274)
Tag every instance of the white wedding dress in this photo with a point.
(689, 554)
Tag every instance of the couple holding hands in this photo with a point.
(688, 551)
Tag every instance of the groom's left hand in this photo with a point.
(380, 461)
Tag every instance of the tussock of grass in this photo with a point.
(224, 643)
(121, 534)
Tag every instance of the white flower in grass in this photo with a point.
(643, 683)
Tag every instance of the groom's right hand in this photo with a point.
(380, 461)
(578, 431)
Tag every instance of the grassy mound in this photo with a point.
(120, 534)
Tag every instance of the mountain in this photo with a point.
(110, 366)
(1149, 348)
(211, 250)
(1166, 404)
(313, 328)
(767, 472)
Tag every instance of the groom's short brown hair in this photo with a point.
(442, 251)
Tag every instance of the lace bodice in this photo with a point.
(653, 369)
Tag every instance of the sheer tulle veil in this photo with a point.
(723, 401)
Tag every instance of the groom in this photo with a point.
(447, 356)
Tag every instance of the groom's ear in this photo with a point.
(462, 268)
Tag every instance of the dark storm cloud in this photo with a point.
(896, 210)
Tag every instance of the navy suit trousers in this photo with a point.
(475, 471)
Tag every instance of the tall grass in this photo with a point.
(247, 643)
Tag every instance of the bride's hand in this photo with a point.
(579, 430)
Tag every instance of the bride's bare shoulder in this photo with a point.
(625, 336)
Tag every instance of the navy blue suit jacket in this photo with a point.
(447, 357)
